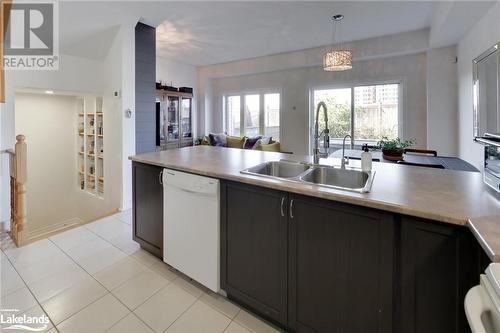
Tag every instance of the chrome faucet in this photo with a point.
(345, 160)
(326, 134)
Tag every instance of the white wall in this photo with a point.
(49, 124)
(406, 43)
(74, 74)
(295, 85)
(180, 75)
(442, 101)
(127, 84)
(482, 36)
(82, 76)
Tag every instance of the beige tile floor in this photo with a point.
(95, 278)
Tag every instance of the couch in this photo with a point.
(256, 143)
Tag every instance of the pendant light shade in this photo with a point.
(338, 58)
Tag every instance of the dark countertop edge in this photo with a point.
(273, 184)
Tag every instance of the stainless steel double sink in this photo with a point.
(321, 175)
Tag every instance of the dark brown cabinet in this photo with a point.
(439, 264)
(147, 210)
(340, 267)
(254, 248)
(314, 265)
(319, 266)
(307, 264)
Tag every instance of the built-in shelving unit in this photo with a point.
(91, 147)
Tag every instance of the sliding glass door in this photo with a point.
(338, 103)
(376, 111)
(367, 113)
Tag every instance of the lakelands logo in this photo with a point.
(31, 36)
(11, 320)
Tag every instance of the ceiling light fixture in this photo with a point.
(337, 58)
(49, 91)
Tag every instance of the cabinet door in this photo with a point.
(148, 207)
(340, 268)
(172, 118)
(439, 264)
(186, 117)
(254, 248)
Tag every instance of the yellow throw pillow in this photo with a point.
(235, 141)
(205, 141)
(271, 147)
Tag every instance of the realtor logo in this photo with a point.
(30, 36)
(12, 319)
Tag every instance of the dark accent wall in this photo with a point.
(145, 78)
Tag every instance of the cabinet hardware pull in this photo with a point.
(160, 177)
(282, 207)
(291, 208)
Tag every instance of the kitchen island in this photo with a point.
(317, 259)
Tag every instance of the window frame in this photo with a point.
(401, 82)
(241, 95)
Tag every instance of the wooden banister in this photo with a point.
(18, 178)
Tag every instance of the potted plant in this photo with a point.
(393, 149)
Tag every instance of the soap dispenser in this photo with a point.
(366, 159)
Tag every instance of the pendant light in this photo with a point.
(337, 58)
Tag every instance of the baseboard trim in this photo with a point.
(36, 234)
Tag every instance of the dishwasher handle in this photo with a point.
(474, 307)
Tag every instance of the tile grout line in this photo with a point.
(90, 275)
(196, 300)
(104, 239)
(30, 291)
(109, 292)
(131, 311)
(128, 314)
(147, 299)
(233, 320)
(218, 310)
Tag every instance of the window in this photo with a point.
(233, 115)
(252, 115)
(272, 116)
(368, 113)
(259, 112)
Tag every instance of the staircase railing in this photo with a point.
(18, 178)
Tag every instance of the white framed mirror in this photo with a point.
(486, 106)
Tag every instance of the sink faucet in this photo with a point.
(345, 160)
(326, 133)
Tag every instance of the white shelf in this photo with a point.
(92, 119)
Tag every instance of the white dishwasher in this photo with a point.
(191, 225)
(482, 302)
